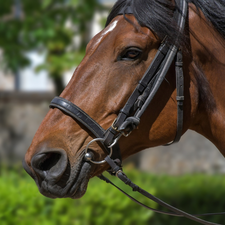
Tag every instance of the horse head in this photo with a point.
(115, 62)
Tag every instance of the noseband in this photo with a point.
(129, 116)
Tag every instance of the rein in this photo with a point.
(129, 116)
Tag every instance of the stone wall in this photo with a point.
(193, 154)
(22, 113)
(20, 117)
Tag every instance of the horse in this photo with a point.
(116, 60)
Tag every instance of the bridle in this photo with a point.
(129, 116)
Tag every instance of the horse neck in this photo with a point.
(208, 64)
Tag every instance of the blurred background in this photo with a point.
(41, 43)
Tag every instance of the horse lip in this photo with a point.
(80, 185)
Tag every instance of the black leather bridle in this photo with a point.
(129, 116)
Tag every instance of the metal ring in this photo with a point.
(115, 141)
(95, 140)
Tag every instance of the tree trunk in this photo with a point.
(59, 87)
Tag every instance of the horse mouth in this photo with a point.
(73, 183)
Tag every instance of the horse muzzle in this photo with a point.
(54, 175)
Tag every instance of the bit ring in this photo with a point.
(87, 155)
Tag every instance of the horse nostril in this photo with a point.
(50, 165)
(48, 160)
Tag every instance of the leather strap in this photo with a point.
(102, 177)
(180, 95)
(116, 170)
(78, 114)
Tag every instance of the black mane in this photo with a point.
(157, 15)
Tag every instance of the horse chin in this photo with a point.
(80, 187)
(73, 187)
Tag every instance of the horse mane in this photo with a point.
(157, 15)
(214, 11)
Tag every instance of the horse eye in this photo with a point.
(131, 54)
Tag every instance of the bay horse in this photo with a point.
(136, 33)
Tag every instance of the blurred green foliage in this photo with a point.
(22, 204)
(193, 193)
(43, 25)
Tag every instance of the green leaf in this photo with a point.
(46, 3)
